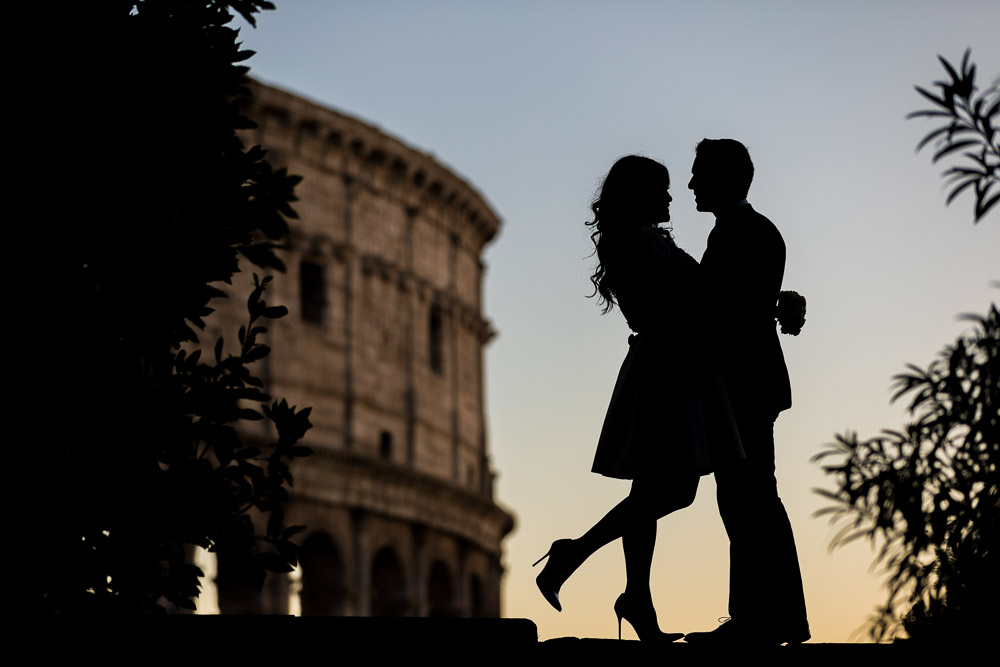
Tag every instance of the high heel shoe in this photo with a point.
(555, 573)
(643, 621)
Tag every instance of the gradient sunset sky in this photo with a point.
(532, 101)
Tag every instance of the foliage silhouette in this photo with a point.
(931, 493)
(147, 462)
(971, 126)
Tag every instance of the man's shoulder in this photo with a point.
(760, 225)
(748, 212)
(746, 235)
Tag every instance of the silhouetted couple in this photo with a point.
(699, 391)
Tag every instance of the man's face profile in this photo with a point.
(712, 185)
(705, 183)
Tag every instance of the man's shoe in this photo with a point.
(732, 633)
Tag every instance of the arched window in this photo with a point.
(312, 292)
(385, 445)
(435, 335)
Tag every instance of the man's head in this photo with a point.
(721, 174)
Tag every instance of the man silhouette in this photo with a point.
(742, 269)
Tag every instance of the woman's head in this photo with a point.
(634, 194)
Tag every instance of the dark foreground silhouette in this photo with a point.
(668, 421)
(742, 269)
(698, 392)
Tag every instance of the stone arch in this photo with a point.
(388, 585)
(477, 598)
(324, 584)
(234, 595)
(440, 591)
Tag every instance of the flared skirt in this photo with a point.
(668, 411)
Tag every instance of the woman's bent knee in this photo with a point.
(661, 497)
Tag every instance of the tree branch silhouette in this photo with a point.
(141, 447)
(970, 125)
(930, 493)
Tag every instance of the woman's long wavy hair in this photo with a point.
(633, 195)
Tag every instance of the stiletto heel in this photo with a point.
(642, 621)
(556, 571)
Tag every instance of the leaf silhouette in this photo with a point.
(971, 125)
(952, 147)
(954, 193)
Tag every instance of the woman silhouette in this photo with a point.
(669, 420)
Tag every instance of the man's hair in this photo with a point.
(730, 159)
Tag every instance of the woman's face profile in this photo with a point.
(666, 203)
(657, 202)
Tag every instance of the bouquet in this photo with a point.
(790, 312)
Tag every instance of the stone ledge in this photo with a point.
(613, 652)
(207, 640)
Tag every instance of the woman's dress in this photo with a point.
(669, 408)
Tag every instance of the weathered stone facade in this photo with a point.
(384, 339)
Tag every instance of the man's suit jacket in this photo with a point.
(742, 269)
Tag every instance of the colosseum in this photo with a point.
(384, 339)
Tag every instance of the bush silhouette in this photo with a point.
(141, 458)
(930, 493)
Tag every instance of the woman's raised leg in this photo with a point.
(636, 514)
(565, 556)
